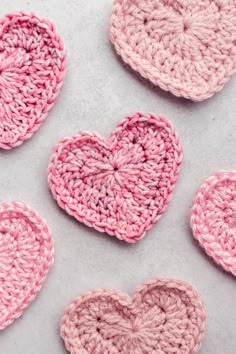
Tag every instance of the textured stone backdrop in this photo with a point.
(98, 92)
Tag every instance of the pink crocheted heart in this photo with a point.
(213, 218)
(120, 186)
(165, 316)
(185, 47)
(26, 252)
(32, 68)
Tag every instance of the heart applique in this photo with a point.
(32, 68)
(185, 47)
(26, 253)
(122, 185)
(164, 316)
(213, 218)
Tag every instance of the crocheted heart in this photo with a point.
(213, 218)
(26, 252)
(120, 186)
(164, 316)
(32, 68)
(185, 47)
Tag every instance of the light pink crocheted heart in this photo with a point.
(185, 47)
(213, 218)
(120, 186)
(32, 68)
(26, 252)
(165, 316)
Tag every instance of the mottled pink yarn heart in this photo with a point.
(26, 252)
(32, 68)
(120, 186)
(213, 218)
(164, 316)
(185, 47)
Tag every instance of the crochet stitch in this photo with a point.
(213, 218)
(164, 316)
(185, 47)
(32, 68)
(120, 186)
(26, 253)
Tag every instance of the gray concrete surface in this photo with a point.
(98, 92)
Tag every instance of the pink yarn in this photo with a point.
(122, 185)
(213, 218)
(32, 68)
(26, 252)
(164, 316)
(185, 47)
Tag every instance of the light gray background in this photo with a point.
(98, 92)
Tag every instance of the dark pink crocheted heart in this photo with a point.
(121, 185)
(32, 68)
(165, 316)
(187, 47)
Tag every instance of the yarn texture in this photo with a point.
(122, 185)
(26, 253)
(32, 68)
(164, 316)
(185, 47)
(213, 218)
